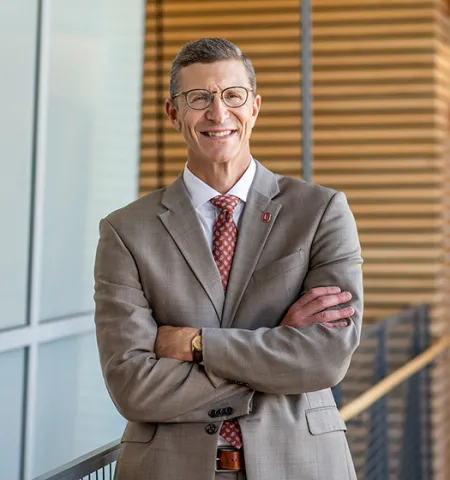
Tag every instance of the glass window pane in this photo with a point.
(17, 59)
(93, 130)
(74, 413)
(12, 380)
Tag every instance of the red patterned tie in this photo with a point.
(224, 244)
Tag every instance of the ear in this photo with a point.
(255, 109)
(172, 113)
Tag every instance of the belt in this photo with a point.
(229, 459)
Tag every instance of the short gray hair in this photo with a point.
(208, 50)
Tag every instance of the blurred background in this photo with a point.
(83, 132)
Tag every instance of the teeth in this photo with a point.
(218, 134)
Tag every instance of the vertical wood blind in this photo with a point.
(381, 82)
(441, 377)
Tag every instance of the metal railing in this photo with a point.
(387, 398)
(96, 465)
(384, 399)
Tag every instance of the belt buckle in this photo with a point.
(227, 449)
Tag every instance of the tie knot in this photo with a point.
(225, 202)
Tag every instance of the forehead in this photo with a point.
(221, 74)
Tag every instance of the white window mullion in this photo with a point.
(42, 74)
(23, 337)
(16, 338)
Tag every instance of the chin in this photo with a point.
(219, 158)
(223, 159)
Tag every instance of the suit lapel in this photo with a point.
(252, 236)
(182, 224)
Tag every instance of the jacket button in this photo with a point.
(211, 428)
(242, 384)
(212, 413)
(228, 411)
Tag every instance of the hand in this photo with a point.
(175, 342)
(312, 307)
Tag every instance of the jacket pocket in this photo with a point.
(324, 419)
(283, 265)
(139, 432)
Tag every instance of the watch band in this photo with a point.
(197, 354)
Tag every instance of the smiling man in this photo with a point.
(223, 308)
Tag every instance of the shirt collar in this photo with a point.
(201, 193)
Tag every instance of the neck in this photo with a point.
(220, 176)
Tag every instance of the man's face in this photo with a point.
(217, 134)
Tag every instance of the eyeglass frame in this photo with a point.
(248, 90)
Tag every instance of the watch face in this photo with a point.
(197, 355)
(197, 342)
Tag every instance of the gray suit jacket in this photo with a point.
(154, 267)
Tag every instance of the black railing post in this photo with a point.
(411, 442)
(376, 466)
(423, 318)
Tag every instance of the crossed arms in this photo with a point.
(148, 371)
(311, 308)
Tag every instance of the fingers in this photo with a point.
(314, 307)
(316, 293)
(330, 318)
(336, 324)
(324, 302)
(333, 318)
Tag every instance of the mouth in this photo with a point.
(222, 134)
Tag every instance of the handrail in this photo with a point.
(400, 317)
(86, 464)
(370, 396)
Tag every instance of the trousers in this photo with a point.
(231, 476)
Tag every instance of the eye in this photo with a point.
(232, 94)
(235, 94)
(199, 96)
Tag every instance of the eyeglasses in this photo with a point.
(199, 99)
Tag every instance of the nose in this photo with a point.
(217, 110)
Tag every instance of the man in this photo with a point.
(222, 300)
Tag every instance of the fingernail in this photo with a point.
(335, 290)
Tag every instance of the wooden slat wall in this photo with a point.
(442, 89)
(375, 139)
(440, 374)
(381, 83)
(268, 32)
(381, 114)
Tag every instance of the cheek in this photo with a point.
(248, 127)
(246, 120)
(188, 125)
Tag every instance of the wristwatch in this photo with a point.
(197, 354)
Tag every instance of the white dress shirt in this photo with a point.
(201, 194)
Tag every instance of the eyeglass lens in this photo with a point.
(232, 97)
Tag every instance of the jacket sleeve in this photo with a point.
(287, 360)
(143, 388)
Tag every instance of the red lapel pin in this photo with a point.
(266, 216)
